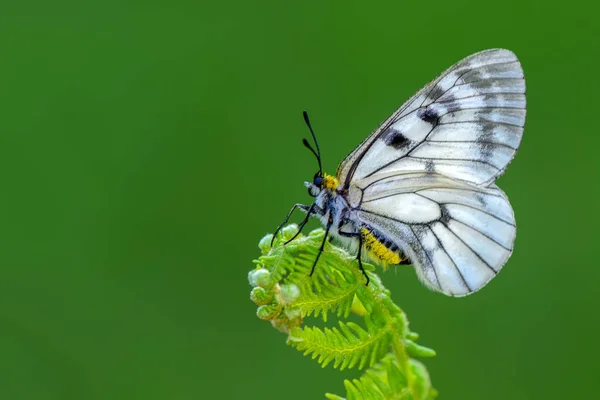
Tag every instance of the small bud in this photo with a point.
(293, 312)
(265, 244)
(289, 231)
(260, 277)
(285, 325)
(289, 293)
(260, 296)
(268, 312)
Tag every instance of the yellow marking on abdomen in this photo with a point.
(330, 182)
(378, 249)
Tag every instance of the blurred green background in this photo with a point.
(147, 146)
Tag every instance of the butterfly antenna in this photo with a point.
(308, 146)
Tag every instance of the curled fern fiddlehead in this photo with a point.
(286, 295)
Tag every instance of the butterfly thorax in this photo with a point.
(330, 182)
(332, 207)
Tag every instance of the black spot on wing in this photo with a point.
(428, 115)
(396, 139)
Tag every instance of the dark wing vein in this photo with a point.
(471, 141)
(451, 259)
(469, 247)
(427, 255)
(476, 95)
(475, 121)
(452, 159)
(468, 206)
(467, 225)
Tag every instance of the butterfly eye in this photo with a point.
(318, 181)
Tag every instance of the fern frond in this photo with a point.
(386, 381)
(337, 297)
(286, 294)
(349, 346)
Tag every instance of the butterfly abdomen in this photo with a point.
(381, 249)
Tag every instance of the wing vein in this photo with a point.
(482, 234)
(427, 255)
(492, 78)
(468, 206)
(428, 188)
(470, 248)
(401, 157)
(452, 159)
(451, 259)
(437, 220)
(463, 205)
(479, 122)
(461, 75)
(475, 95)
(472, 141)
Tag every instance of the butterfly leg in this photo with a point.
(306, 209)
(313, 209)
(358, 257)
(322, 246)
(360, 245)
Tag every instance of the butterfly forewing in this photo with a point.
(466, 124)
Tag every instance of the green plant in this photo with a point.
(287, 295)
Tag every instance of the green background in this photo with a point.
(147, 146)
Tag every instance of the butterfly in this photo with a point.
(421, 188)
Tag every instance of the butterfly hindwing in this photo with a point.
(467, 124)
(457, 235)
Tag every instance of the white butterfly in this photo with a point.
(422, 185)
